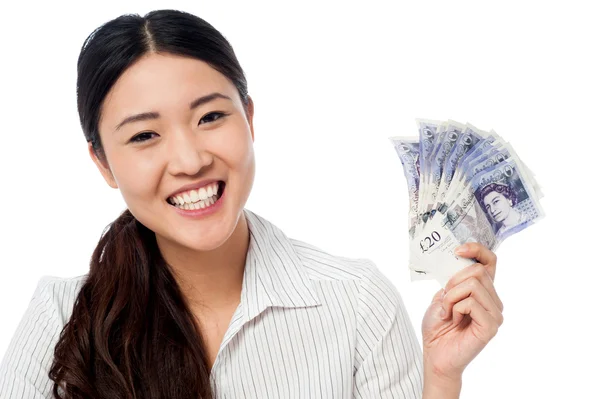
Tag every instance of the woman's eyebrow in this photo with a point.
(155, 115)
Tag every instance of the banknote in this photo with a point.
(408, 151)
(467, 139)
(465, 184)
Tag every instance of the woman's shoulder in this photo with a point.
(63, 284)
(364, 273)
(37, 333)
(357, 275)
(66, 281)
(56, 295)
(359, 283)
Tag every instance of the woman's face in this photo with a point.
(180, 147)
(497, 206)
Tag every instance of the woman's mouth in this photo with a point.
(198, 199)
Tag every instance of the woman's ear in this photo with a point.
(250, 115)
(103, 167)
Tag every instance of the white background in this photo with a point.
(330, 83)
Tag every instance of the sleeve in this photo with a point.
(388, 361)
(25, 365)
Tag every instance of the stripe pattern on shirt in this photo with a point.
(309, 325)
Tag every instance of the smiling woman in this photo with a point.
(190, 295)
(164, 106)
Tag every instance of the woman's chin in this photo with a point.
(202, 240)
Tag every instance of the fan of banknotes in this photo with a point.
(464, 185)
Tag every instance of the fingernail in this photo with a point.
(443, 313)
(460, 249)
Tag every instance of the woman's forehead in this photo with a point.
(492, 196)
(158, 75)
(162, 83)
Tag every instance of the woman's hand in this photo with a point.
(473, 314)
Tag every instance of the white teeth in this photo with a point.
(202, 193)
(196, 199)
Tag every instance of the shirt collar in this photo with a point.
(274, 275)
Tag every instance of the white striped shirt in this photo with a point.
(309, 325)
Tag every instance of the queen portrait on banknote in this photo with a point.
(499, 201)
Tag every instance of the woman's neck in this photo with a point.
(212, 280)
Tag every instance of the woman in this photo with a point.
(191, 295)
(498, 201)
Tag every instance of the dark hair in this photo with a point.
(131, 333)
(503, 189)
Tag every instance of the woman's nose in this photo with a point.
(186, 154)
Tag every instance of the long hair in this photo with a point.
(131, 334)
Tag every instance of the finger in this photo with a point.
(472, 288)
(475, 250)
(438, 296)
(487, 325)
(482, 274)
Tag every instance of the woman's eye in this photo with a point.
(212, 119)
(209, 117)
(136, 139)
